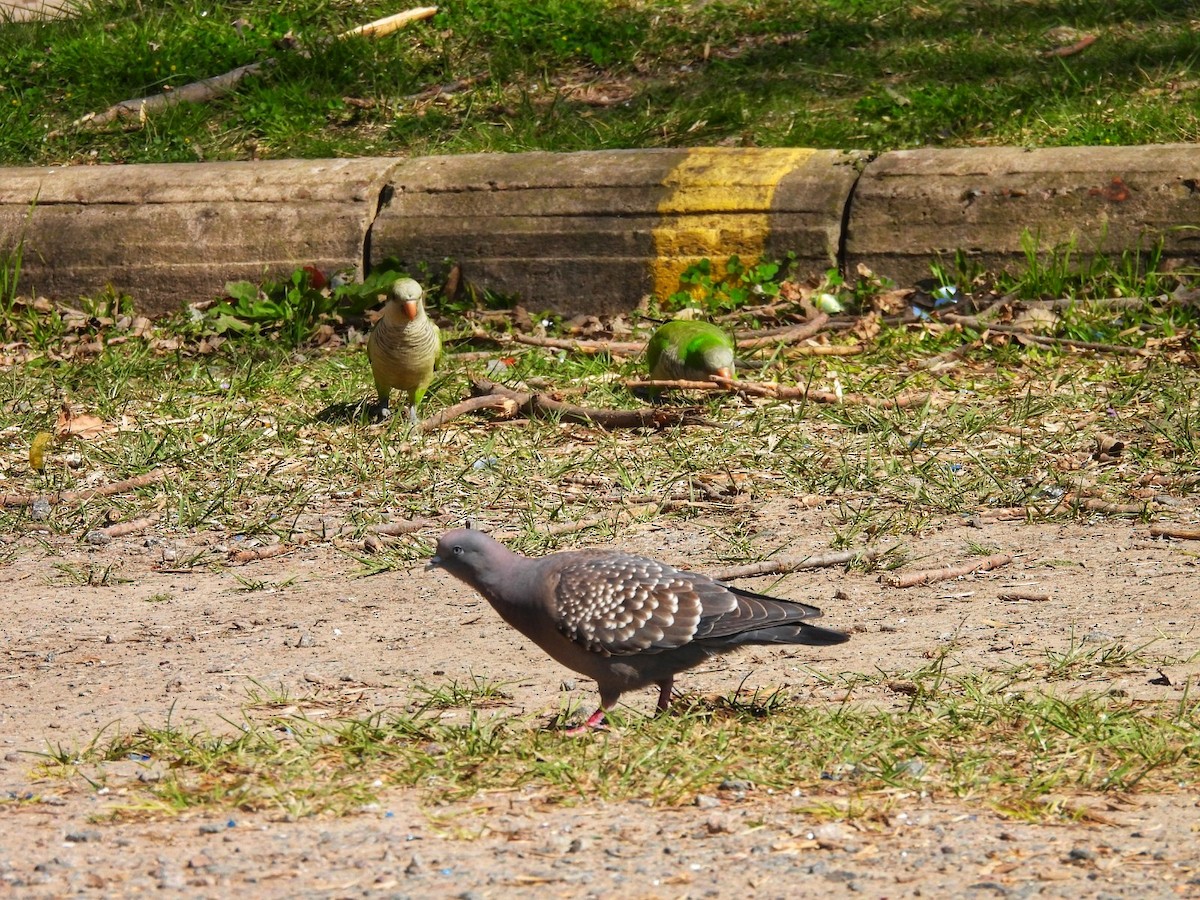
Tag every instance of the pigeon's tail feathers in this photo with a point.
(794, 633)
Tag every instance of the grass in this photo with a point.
(589, 74)
(996, 740)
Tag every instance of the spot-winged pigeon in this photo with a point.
(627, 621)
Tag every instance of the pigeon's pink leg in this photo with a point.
(664, 693)
(608, 699)
(594, 721)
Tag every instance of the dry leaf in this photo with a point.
(71, 425)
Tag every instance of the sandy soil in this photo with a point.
(76, 660)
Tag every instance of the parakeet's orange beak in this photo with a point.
(725, 373)
(410, 309)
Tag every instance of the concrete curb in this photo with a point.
(590, 231)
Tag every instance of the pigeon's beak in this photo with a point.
(435, 562)
(410, 309)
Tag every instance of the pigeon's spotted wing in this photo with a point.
(620, 605)
(753, 612)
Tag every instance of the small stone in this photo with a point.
(109, 639)
(313, 678)
(305, 640)
(39, 510)
(1081, 854)
(568, 684)
(199, 861)
(211, 828)
(829, 832)
(704, 801)
(718, 825)
(415, 866)
(735, 784)
(83, 837)
(97, 538)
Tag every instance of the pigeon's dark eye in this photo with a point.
(458, 551)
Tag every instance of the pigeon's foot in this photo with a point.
(664, 693)
(595, 722)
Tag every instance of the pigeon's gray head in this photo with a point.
(466, 554)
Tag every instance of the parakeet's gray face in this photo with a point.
(719, 360)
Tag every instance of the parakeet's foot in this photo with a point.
(412, 415)
(383, 413)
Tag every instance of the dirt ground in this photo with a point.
(76, 660)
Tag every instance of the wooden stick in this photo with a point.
(388, 24)
(542, 405)
(200, 91)
(786, 565)
(395, 529)
(1025, 596)
(930, 576)
(207, 89)
(783, 392)
(1079, 46)
(106, 490)
(1182, 534)
(253, 554)
(506, 406)
(975, 322)
(120, 529)
(790, 334)
(591, 348)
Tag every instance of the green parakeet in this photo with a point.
(688, 350)
(403, 347)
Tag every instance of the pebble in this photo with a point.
(97, 538)
(83, 837)
(735, 784)
(211, 828)
(39, 511)
(704, 801)
(305, 640)
(568, 684)
(1081, 854)
(416, 866)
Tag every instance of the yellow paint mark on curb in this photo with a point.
(719, 206)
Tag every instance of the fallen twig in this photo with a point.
(931, 576)
(1071, 49)
(1170, 531)
(104, 490)
(207, 89)
(253, 554)
(542, 405)
(120, 529)
(1015, 331)
(506, 406)
(1024, 596)
(789, 334)
(794, 564)
(783, 392)
(394, 529)
(586, 347)
(201, 91)
(388, 24)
